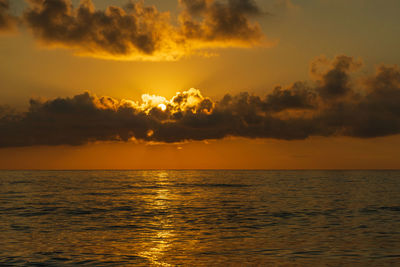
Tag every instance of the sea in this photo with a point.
(199, 218)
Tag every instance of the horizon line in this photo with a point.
(211, 169)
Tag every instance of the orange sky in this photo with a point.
(320, 153)
(294, 33)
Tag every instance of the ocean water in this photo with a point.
(199, 218)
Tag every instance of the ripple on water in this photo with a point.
(199, 218)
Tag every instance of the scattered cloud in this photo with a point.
(139, 32)
(332, 105)
(7, 21)
(335, 82)
(211, 21)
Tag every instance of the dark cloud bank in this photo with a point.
(333, 105)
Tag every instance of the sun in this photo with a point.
(163, 107)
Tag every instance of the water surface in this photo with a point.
(199, 218)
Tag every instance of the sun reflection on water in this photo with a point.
(161, 240)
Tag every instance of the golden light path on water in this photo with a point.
(156, 250)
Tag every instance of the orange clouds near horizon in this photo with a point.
(333, 105)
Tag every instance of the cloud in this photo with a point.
(142, 32)
(335, 82)
(7, 21)
(134, 31)
(298, 96)
(364, 109)
(213, 21)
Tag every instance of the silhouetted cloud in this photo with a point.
(335, 82)
(7, 21)
(298, 96)
(115, 31)
(359, 109)
(142, 32)
(211, 21)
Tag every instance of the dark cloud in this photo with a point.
(299, 96)
(369, 109)
(115, 31)
(194, 7)
(7, 21)
(142, 32)
(380, 109)
(210, 20)
(335, 82)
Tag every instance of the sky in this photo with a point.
(201, 84)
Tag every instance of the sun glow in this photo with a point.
(162, 107)
(186, 100)
(191, 100)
